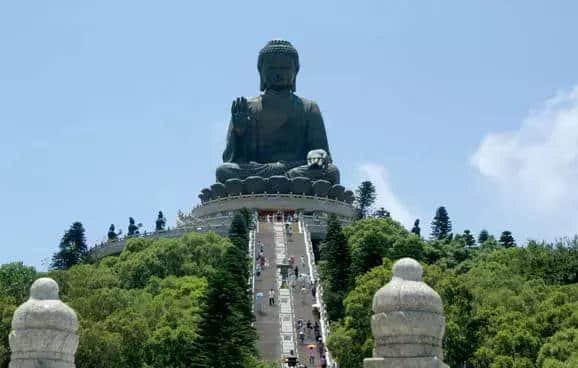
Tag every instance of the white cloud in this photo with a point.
(378, 175)
(536, 166)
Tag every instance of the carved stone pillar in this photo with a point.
(43, 330)
(408, 323)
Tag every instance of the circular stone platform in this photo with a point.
(277, 202)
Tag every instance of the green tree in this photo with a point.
(351, 340)
(507, 240)
(364, 197)
(469, 238)
(407, 246)
(72, 248)
(239, 232)
(155, 305)
(560, 350)
(441, 226)
(484, 235)
(370, 240)
(15, 280)
(335, 264)
(248, 217)
(228, 337)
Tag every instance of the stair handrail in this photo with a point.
(314, 275)
(251, 251)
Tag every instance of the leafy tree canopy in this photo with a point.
(152, 306)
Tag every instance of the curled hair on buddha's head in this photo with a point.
(279, 47)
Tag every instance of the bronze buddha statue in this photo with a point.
(277, 132)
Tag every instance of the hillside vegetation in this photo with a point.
(184, 302)
(511, 307)
(162, 303)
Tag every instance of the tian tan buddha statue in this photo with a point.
(277, 132)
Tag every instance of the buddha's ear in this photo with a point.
(262, 85)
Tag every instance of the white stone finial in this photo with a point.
(408, 323)
(408, 269)
(44, 288)
(43, 330)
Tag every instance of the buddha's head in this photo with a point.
(278, 65)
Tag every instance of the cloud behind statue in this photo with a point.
(535, 168)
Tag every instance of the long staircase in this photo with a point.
(277, 324)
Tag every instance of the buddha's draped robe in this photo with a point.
(283, 128)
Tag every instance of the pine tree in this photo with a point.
(364, 198)
(507, 240)
(238, 232)
(469, 238)
(248, 217)
(441, 226)
(337, 261)
(484, 235)
(72, 248)
(226, 329)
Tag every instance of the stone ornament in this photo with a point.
(349, 196)
(255, 185)
(218, 190)
(336, 192)
(408, 322)
(207, 193)
(234, 187)
(321, 188)
(301, 185)
(279, 184)
(43, 330)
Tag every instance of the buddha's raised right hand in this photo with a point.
(240, 114)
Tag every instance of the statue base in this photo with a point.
(277, 202)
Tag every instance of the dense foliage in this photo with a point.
(179, 302)
(334, 267)
(505, 306)
(184, 302)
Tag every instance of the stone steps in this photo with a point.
(276, 325)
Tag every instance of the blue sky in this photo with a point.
(118, 109)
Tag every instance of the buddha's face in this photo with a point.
(278, 71)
